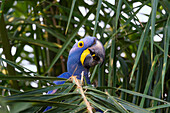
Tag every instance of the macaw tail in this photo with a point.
(49, 107)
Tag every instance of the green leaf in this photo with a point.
(158, 107)
(10, 89)
(149, 80)
(97, 16)
(153, 19)
(118, 105)
(21, 68)
(3, 108)
(71, 12)
(139, 94)
(141, 45)
(16, 108)
(26, 78)
(41, 90)
(166, 47)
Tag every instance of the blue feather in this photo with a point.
(74, 65)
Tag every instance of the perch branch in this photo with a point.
(80, 90)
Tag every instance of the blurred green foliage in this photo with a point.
(35, 39)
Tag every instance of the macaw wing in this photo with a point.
(65, 75)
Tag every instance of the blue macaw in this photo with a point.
(84, 54)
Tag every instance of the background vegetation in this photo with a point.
(35, 39)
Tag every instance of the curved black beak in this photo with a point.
(96, 54)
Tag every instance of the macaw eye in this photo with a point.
(81, 44)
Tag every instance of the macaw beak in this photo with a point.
(93, 55)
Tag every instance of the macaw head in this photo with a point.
(84, 54)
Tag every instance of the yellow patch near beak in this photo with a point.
(83, 55)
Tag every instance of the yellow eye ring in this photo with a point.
(80, 44)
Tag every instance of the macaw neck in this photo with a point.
(76, 69)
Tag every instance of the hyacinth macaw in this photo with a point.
(84, 54)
